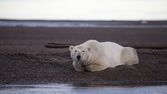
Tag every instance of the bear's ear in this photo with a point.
(71, 47)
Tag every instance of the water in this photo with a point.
(69, 89)
(94, 24)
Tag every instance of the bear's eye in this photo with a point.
(83, 51)
(75, 50)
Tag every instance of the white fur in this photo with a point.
(97, 56)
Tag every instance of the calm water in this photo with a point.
(69, 89)
(94, 24)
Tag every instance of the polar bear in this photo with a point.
(96, 56)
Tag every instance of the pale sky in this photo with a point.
(84, 9)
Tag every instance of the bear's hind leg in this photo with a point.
(129, 56)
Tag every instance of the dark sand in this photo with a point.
(25, 60)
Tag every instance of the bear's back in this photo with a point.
(112, 52)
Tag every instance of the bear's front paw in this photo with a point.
(95, 67)
(91, 68)
(78, 67)
(81, 69)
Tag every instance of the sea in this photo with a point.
(83, 23)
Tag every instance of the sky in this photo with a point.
(84, 9)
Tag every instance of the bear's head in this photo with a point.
(79, 53)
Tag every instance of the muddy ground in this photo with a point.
(25, 60)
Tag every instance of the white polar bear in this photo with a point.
(96, 56)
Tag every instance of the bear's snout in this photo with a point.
(78, 57)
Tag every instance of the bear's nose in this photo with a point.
(78, 57)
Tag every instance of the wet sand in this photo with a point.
(25, 60)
